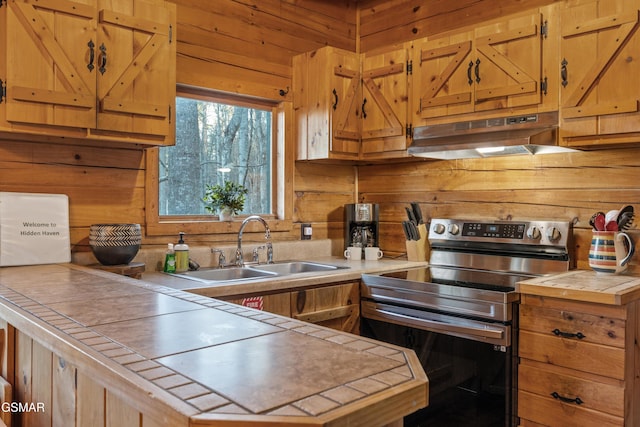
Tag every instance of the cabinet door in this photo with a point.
(336, 307)
(442, 76)
(600, 95)
(384, 102)
(135, 58)
(50, 72)
(326, 86)
(508, 63)
(345, 109)
(494, 67)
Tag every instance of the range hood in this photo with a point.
(504, 136)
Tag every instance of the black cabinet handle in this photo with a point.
(92, 55)
(469, 73)
(364, 113)
(335, 104)
(103, 59)
(559, 333)
(564, 72)
(561, 398)
(477, 70)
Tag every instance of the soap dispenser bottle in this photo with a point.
(182, 255)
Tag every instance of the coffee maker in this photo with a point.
(361, 225)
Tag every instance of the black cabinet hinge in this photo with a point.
(3, 90)
(170, 34)
(409, 68)
(409, 131)
(544, 30)
(544, 86)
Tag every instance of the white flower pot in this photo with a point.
(226, 214)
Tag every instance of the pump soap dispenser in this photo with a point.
(182, 255)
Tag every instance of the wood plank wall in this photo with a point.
(246, 47)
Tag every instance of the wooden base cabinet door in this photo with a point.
(336, 307)
(600, 96)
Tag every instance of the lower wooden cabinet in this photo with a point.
(336, 306)
(578, 363)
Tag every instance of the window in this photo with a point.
(217, 139)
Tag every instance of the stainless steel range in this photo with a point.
(460, 313)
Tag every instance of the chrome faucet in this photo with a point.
(267, 236)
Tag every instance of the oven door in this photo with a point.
(471, 382)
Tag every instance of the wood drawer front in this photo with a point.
(594, 329)
(545, 380)
(570, 353)
(548, 412)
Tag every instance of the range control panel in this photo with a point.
(498, 231)
(548, 233)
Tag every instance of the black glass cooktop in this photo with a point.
(469, 278)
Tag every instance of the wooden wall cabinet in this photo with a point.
(336, 306)
(498, 68)
(577, 363)
(349, 106)
(90, 69)
(326, 88)
(600, 96)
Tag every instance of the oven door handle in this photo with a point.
(434, 322)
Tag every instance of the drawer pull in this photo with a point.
(559, 333)
(561, 398)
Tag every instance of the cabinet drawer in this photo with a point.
(592, 328)
(548, 381)
(548, 412)
(572, 353)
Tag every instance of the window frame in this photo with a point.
(282, 167)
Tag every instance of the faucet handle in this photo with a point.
(269, 253)
(255, 253)
(222, 260)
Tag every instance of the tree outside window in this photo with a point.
(215, 142)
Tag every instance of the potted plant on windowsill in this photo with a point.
(226, 199)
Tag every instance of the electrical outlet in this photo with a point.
(305, 232)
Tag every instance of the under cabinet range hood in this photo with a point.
(504, 136)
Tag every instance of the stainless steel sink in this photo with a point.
(294, 267)
(225, 274)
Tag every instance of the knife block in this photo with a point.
(418, 250)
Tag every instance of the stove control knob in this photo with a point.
(454, 229)
(553, 234)
(533, 233)
(438, 228)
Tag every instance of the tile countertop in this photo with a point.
(353, 271)
(205, 360)
(586, 286)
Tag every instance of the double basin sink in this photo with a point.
(261, 271)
